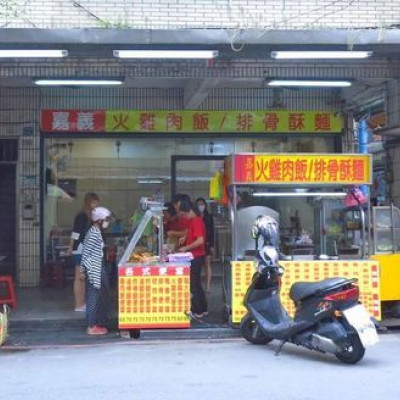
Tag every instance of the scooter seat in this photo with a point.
(302, 290)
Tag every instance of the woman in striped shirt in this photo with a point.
(93, 266)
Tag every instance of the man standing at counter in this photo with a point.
(194, 242)
(180, 225)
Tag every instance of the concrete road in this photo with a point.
(220, 369)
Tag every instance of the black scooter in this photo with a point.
(328, 317)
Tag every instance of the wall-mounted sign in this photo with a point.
(199, 121)
(285, 169)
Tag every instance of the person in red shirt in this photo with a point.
(194, 242)
(179, 227)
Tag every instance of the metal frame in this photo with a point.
(392, 228)
(195, 36)
(176, 159)
(237, 68)
(153, 211)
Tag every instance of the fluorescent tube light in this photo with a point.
(150, 181)
(165, 54)
(33, 53)
(309, 83)
(320, 55)
(77, 82)
(299, 194)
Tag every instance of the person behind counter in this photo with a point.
(171, 223)
(93, 268)
(81, 225)
(180, 226)
(194, 242)
(208, 220)
(170, 218)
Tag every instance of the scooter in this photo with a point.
(328, 317)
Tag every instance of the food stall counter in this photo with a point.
(279, 177)
(152, 293)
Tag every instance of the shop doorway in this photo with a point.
(192, 175)
(8, 219)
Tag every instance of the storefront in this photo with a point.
(125, 155)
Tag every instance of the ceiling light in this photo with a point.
(33, 53)
(309, 83)
(299, 194)
(150, 181)
(320, 55)
(165, 54)
(77, 82)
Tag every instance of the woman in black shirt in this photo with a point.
(201, 207)
(82, 223)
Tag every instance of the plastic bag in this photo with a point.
(180, 257)
(354, 197)
(215, 189)
(3, 324)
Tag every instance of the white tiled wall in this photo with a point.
(153, 14)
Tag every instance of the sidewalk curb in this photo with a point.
(80, 323)
(45, 338)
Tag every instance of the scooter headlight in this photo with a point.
(272, 255)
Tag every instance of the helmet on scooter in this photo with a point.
(266, 227)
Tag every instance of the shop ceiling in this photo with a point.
(91, 55)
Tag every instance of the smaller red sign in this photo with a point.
(170, 270)
(244, 168)
(73, 121)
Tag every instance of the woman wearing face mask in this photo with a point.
(93, 265)
(208, 220)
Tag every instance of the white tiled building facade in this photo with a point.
(169, 14)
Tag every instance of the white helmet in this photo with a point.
(100, 214)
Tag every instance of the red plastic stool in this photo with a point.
(9, 297)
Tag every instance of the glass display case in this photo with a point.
(386, 229)
(328, 225)
(356, 240)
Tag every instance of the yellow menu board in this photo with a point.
(367, 273)
(153, 296)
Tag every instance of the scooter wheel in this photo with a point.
(251, 332)
(352, 349)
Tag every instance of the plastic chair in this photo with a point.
(9, 297)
